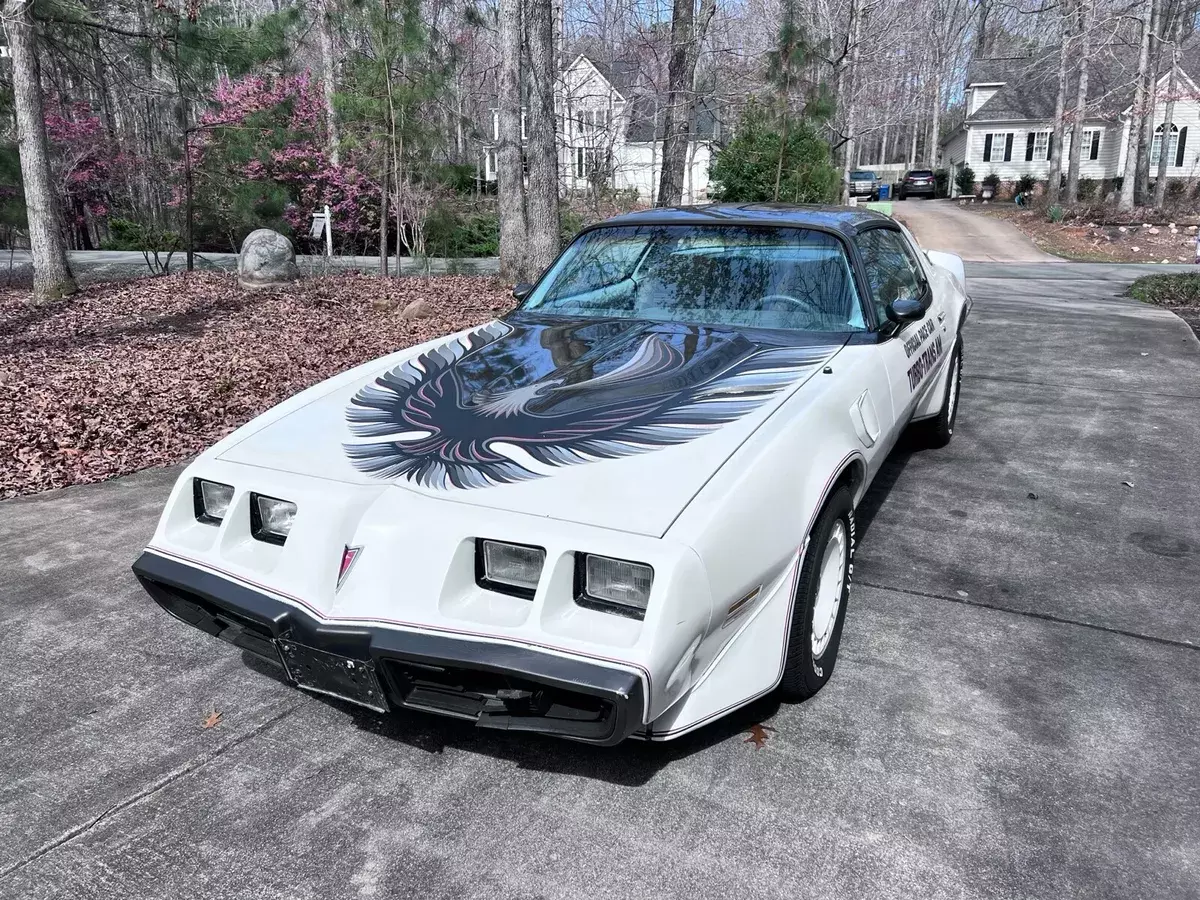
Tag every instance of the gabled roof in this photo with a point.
(1030, 84)
(646, 122)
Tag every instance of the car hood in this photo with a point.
(611, 422)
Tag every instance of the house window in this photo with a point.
(495, 124)
(489, 165)
(581, 161)
(1041, 145)
(997, 146)
(1091, 143)
(1172, 145)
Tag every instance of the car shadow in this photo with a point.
(889, 474)
(630, 764)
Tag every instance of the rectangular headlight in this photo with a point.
(270, 518)
(211, 500)
(619, 582)
(508, 568)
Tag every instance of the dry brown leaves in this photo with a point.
(758, 736)
(128, 375)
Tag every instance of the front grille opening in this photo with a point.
(207, 616)
(497, 701)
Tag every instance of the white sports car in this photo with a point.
(624, 509)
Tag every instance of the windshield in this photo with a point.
(862, 175)
(748, 276)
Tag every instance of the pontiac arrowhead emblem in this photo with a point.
(350, 555)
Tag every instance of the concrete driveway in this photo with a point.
(1016, 713)
(947, 225)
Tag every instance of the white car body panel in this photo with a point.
(722, 518)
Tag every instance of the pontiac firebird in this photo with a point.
(624, 509)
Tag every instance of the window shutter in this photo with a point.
(1179, 147)
(1029, 147)
(987, 148)
(1050, 146)
(1008, 147)
(1095, 151)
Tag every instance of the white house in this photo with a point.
(1009, 125)
(610, 127)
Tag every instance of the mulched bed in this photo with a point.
(124, 376)
(1088, 237)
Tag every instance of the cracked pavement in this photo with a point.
(1015, 712)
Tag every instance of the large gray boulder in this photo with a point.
(267, 260)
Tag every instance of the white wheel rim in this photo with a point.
(953, 393)
(829, 588)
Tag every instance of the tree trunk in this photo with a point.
(541, 204)
(1054, 182)
(52, 278)
(936, 127)
(328, 78)
(1146, 139)
(1164, 154)
(687, 34)
(383, 220)
(1136, 114)
(510, 177)
(1081, 94)
(847, 79)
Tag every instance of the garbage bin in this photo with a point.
(885, 191)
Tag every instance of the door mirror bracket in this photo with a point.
(521, 290)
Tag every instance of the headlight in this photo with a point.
(211, 500)
(508, 568)
(271, 519)
(617, 582)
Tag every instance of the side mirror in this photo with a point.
(521, 290)
(905, 310)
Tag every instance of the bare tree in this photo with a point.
(1081, 101)
(1054, 184)
(1146, 134)
(1137, 113)
(328, 76)
(1164, 147)
(52, 278)
(510, 175)
(687, 35)
(541, 202)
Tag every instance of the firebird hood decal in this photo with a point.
(515, 399)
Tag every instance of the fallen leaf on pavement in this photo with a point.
(213, 718)
(758, 736)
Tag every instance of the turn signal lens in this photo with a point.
(618, 581)
(271, 519)
(211, 500)
(509, 568)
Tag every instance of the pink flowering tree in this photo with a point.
(260, 158)
(87, 166)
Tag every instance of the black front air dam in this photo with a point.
(494, 685)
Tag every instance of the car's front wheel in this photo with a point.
(822, 592)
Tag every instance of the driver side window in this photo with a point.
(892, 271)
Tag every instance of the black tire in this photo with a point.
(938, 431)
(805, 672)
(903, 196)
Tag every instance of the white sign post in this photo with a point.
(323, 225)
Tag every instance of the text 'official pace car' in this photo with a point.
(624, 509)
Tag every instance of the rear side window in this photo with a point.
(892, 271)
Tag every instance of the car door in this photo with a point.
(913, 350)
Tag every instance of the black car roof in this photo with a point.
(848, 220)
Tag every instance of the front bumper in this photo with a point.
(495, 685)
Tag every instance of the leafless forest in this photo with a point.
(385, 109)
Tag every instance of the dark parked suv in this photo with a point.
(918, 183)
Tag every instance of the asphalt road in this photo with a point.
(1015, 714)
(956, 228)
